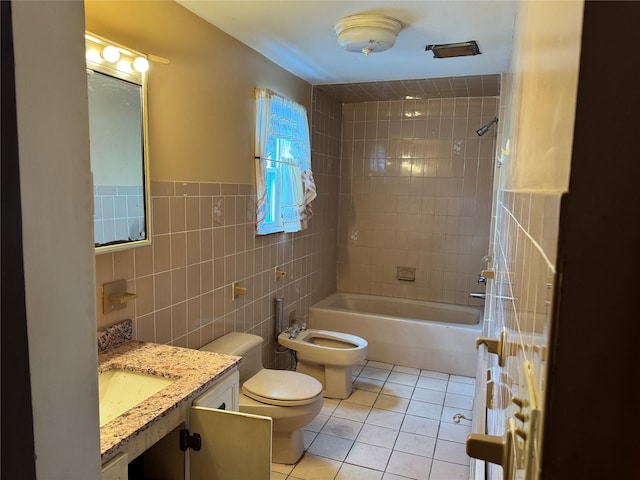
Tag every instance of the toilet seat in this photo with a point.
(282, 388)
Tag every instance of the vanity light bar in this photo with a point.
(124, 60)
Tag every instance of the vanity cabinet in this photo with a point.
(116, 468)
(215, 442)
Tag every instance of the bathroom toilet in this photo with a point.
(327, 356)
(291, 399)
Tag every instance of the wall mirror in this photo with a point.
(117, 83)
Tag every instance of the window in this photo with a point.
(284, 181)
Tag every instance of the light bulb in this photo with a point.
(124, 66)
(111, 54)
(141, 64)
(93, 56)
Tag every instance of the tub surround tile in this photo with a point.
(195, 371)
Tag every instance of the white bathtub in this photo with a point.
(427, 335)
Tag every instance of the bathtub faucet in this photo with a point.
(480, 295)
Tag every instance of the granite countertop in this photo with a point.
(194, 370)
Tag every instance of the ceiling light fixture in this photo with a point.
(367, 33)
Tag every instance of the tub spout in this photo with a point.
(480, 295)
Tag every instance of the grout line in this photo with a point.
(533, 241)
(392, 449)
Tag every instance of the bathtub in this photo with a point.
(427, 335)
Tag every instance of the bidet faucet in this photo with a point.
(292, 331)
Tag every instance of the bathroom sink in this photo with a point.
(120, 390)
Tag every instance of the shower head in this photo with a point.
(482, 130)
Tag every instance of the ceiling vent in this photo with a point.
(448, 50)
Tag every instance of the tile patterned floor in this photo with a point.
(397, 424)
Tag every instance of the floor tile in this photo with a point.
(361, 397)
(385, 418)
(281, 468)
(453, 452)
(330, 447)
(432, 383)
(314, 467)
(341, 427)
(410, 370)
(370, 456)
(448, 471)
(395, 404)
(461, 388)
(379, 436)
(424, 409)
(458, 401)
(385, 366)
(355, 472)
(352, 411)
(375, 373)
(368, 384)
(448, 414)
(402, 378)
(415, 444)
(459, 379)
(421, 425)
(317, 423)
(454, 432)
(398, 424)
(410, 466)
(427, 395)
(397, 390)
(309, 437)
(329, 405)
(431, 374)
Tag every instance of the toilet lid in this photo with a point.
(282, 387)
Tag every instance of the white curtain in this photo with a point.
(282, 141)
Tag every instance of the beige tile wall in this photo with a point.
(521, 297)
(416, 191)
(203, 241)
(537, 118)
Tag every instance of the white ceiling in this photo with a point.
(298, 35)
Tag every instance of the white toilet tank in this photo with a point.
(245, 345)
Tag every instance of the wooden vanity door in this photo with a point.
(235, 445)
